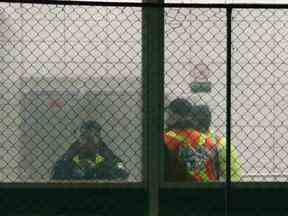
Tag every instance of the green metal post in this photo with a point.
(153, 75)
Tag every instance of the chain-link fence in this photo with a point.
(195, 45)
(195, 53)
(60, 66)
(258, 92)
(197, 36)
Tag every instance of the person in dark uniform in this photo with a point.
(89, 158)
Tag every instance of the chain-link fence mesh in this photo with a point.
(60, 66)
(195, 42)
(259, 92)
(259, 54)
(195, 53)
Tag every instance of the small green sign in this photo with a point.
(201, 87)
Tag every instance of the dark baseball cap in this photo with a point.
(201, 111)
(201, 117)
(180, 106)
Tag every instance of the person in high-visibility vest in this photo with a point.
(194, 153)
(234, 161)
(201, 116)
(89, 158)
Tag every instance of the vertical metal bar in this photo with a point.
(145, 102)
(153, 70)
(228, 110)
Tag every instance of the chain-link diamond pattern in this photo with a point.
(195, 51)
(70, 62)
(61, 65)
(194, 37)
(258, 92)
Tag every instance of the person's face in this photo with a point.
(89, 140)
(172, 118)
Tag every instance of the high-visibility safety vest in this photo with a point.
(234, 159)
(192, 146)
(173, 142)
(93, 164)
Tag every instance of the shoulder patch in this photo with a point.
(99, 159)
(120, 165)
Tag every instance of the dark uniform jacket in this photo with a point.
(104, 166)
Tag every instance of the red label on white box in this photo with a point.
(56, 104)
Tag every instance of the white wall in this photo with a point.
(196, 36)
(89, 45)
(259, 66)
(259, 85)
(49, 41)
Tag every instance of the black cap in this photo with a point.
(201, 111)
(180, 106)
(91, 125)
(201, 116)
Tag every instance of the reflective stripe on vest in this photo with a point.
(212, 135)
(180, 138)
(98, 159)
(222, 142)
(177, 137)
(202, 139)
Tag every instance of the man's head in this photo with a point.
(178, 112)
(201, 117)
(89, 136)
